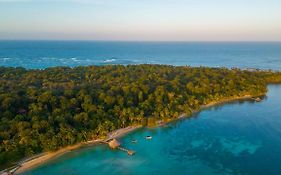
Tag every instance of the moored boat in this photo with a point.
(148, 137)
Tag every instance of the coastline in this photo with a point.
(209, 105)
(227, 100)
(44, 157)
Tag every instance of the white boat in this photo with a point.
(148, 137)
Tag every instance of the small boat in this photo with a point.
(148, 137)
(130, 153)
(134, 141)
(258, 99)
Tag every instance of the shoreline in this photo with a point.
(42, 158)
(209, 105)
(47, 156)
(227, 100)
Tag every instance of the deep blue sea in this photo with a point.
(241, 138)
(43, 54)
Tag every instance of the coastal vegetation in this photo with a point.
(44, 110)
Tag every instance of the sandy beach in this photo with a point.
(214, 103)
(44, 157)
(211, 104)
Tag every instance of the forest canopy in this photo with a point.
(44, 110)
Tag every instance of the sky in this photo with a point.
(141, 20)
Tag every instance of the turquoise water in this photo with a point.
(43, 54)
(241, 138)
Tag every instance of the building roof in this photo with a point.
(114, 143)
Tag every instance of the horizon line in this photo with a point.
(85, 40)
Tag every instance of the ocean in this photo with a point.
(44, 54)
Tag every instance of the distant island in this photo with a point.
(45, 110)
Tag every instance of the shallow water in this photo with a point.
(43, 54)
(241, 138)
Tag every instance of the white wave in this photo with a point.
(6, 58)
(91, 60)
(74, 59)
(109, 60)
(77, 60)
(48, 58)
(64, 60)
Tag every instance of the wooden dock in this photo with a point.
(129, 152)
(114, 144)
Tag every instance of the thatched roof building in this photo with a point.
(114, 144)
